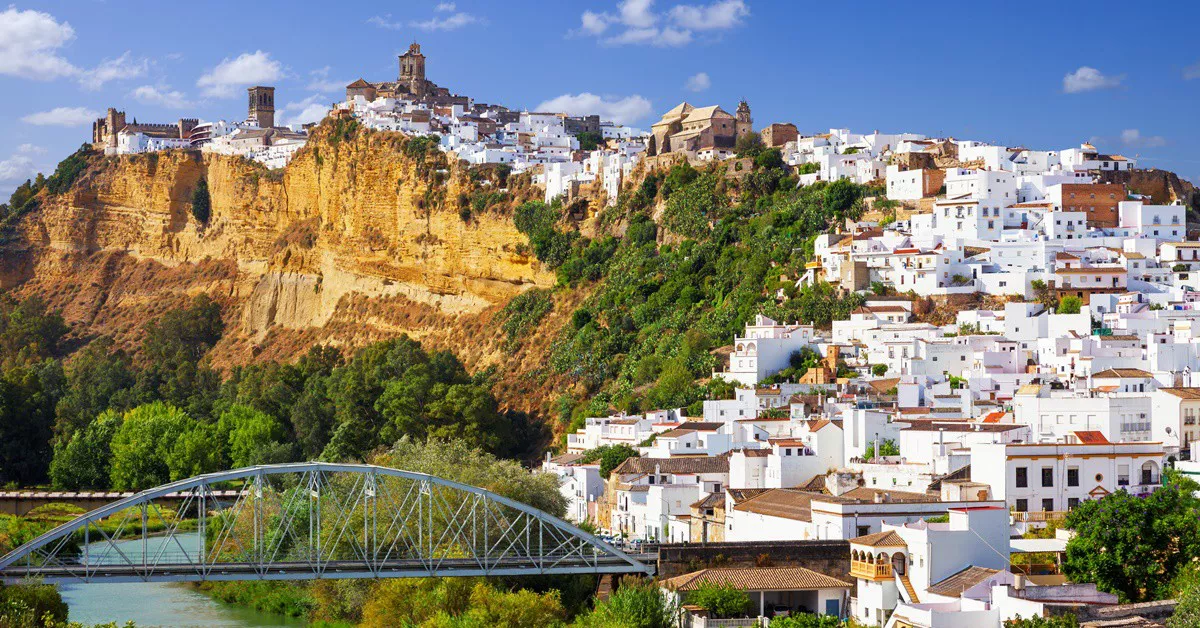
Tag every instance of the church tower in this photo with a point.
(744, 124)
(262, 106)
(412, 69)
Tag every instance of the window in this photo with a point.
(1022, 477)
(1022, 505)
(1073, 477)
(1047, 476)
(1072, 503)
(864, 530)
(1048, 504)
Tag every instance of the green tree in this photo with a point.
(749, 145)
(806, 620)
(84, 460)
(99, 378)
(1187, 595)
(1135, 546)
(610, 457)
(879, 370)
(720, 600)
(462, 462)
(173, 349)
(201, 202)
(143, 446)
(1069, 305)
(589, 140)
(28, 394)
(887, 447)
(253, 437)
(636, 604)
(29, 331)
(770, 158)
(840, 197)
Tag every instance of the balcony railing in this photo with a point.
(1039, 516)
(871, 571)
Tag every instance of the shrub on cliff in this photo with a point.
(201, 202)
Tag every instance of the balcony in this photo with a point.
(1039, 516)
(871, 571)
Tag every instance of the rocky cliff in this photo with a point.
(363, 236)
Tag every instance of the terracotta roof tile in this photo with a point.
(757, 579)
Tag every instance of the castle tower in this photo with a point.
(412, 69)
(104, 130)
(744, 123)
(262, 106)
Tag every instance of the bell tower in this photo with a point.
(412, 69)
(262, 106)
(744, 124)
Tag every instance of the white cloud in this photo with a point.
(699, 82)
(444, 7)
(319, 81)
(17, 168)
(637, 13)
(247, 69)
(454, 22)
(62, 116)
(594, 23)
(1134, 138)
(29, 43)
(304, 111)
(448, 23)
(674, 28)
(1192, 71)
(162, 96)
(1086, 79)
(30, 149)
(716, 16)
(123, 67)
(623, 111)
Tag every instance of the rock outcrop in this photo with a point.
(359, 238)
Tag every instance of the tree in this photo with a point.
(253, 437)
(879, 370)
(589, 140)
(173, 348)
(99, 378)
(840, 197)
(636, 604)
(720, 600)
(84, 460)
(610, 457)
(1135, 546)
(1187, 595)
(143, 447)
(806, 620)
(1069, 305)
(768, 159)
(749, 145)
(887, 447)
(201, 202)
(461, 462)
(28, 394)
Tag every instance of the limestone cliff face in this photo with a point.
(355, 240)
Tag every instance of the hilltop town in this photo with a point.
(1024, 343)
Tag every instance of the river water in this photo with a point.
(159, 604)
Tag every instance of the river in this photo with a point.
(159, 604)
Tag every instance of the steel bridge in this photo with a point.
(308, 521)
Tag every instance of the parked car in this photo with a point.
(779, 610)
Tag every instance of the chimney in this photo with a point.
(1019, 582)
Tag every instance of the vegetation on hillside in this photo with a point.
(665, 294)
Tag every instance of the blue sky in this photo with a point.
(1043, 75)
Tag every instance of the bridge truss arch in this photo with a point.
(308, 521)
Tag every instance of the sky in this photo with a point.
(1043, 75)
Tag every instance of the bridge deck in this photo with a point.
(191, 572)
